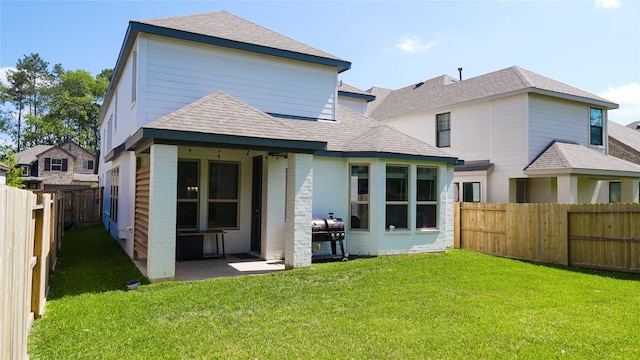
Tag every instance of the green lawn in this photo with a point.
(454, 305)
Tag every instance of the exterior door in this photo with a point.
(256, 205)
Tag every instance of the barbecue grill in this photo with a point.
(329, 229)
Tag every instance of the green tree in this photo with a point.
(8, 157)
(16, 93)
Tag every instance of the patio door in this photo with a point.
(256, 206)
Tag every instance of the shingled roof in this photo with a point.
(27, 157)
(625, 135)
(345, 89)
(445, 92)
(223, 25)
(571, 158)
(223, 120)
(220, 28)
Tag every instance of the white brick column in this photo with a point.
(629, 190)
(299, 210)
(162, 212)
(567, 189)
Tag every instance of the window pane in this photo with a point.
(223, 181)
(397, 183)
(359, 216)
(427, 184)
(397, 216)
(187, 179)
(444, 139)
(426, 216)
(187, 215)
(223, 215)
(596, 117)
(596, 135)
(471, 192)
(359, 183)
(615, 192)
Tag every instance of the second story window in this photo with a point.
(55, 164)
(443, 130)
(595, 125)
(24, 171)
(87, 164)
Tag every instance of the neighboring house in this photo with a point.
(353, 98)
(523, 137)
(624, 142)
(4, 169)
(49, 167)
(213, 123)
(634, 125)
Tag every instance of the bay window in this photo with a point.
(359, 197)
(397, 197)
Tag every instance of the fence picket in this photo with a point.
(599, 236)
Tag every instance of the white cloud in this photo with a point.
(628, 97)
(608, 4)
(3, 74)
(415, 44)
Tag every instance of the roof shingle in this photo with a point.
(445, 91)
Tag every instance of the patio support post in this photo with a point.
(299, 210)
(162, 212)
(567, 189)
(629, 187)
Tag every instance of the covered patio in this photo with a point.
(233, 265)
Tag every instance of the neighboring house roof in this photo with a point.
(380, 94)
(4, 167)
(222, 119)
(345, 89)
(634, 125)
(27, 157)
(445, 92)
(624, 135)
(222, 29)
(571, 158)
(474, 165)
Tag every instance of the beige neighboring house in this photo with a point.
(3, 173)
(49, 167)
(523, 137)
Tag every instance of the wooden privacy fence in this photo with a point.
(30, 233)
(82, 206)
(605, 236)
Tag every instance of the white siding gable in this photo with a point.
(555, 119)
(180, 72)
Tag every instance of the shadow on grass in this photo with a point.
(590, 271)
(91, 261)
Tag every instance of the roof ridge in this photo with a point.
(522, 76)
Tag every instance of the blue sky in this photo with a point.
(593, 45)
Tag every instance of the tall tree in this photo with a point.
(39, 80)
(16, 93)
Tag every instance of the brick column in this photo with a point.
(162, 212)
(629, 187)
(299, 210)
(567, 189)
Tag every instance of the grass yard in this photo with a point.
(454, 305)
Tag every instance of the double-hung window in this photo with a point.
(426, 197)
(595, 126)
(188, 189)
(397, 198)
(443, 130)
(359, 196)
(615, 192)
(223, 195)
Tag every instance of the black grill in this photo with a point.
(330, 229)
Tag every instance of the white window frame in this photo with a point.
(428, 202)
(354, 198)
